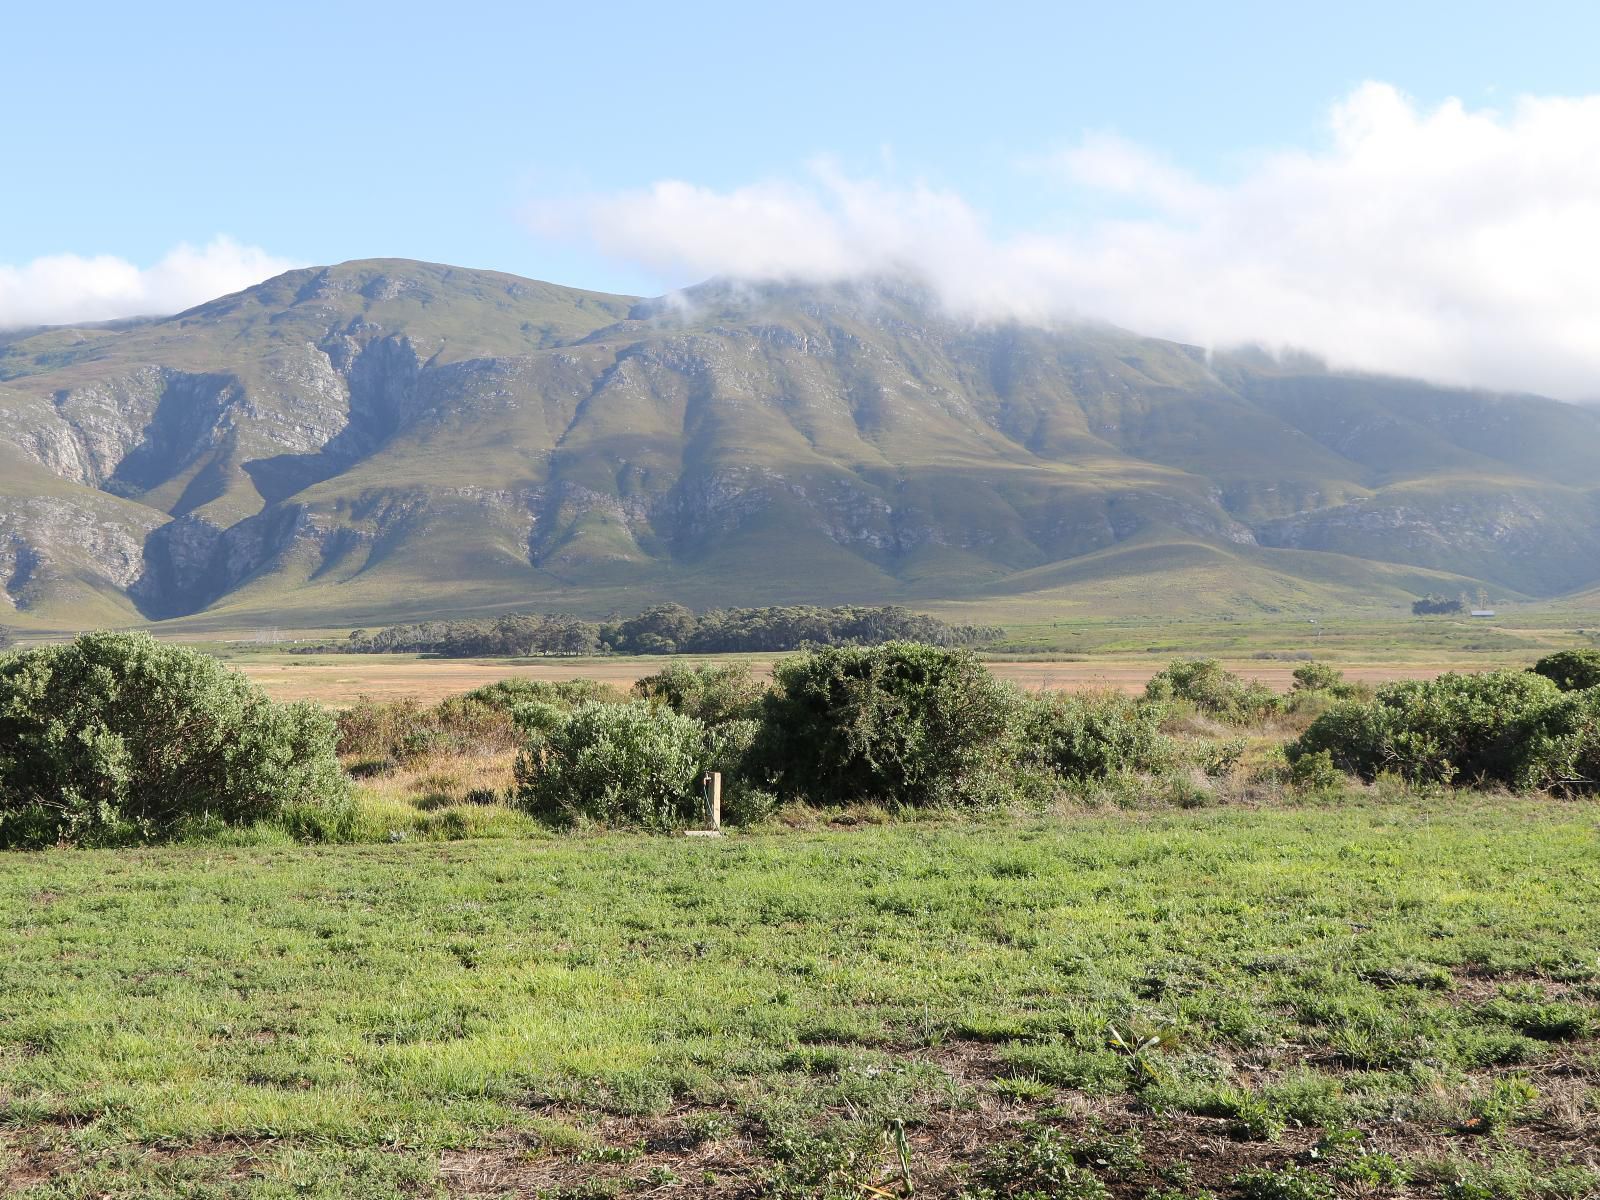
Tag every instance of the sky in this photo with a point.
(1396, 187)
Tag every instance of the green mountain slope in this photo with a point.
(386, 439)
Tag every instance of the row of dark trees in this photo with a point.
(667, 629)
(1433, 605)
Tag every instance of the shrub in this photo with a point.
(632, 763)
(1214, 691)
(1562, 746)
(117, 737)
(728, 749)
(403, 731)
(1324, 677)
(1094, 735)
(1500, 726)
(710, 694)
(902, 723)
(1570, 670)
(1315, 772)
(508, 693)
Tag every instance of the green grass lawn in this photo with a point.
(1346, 995)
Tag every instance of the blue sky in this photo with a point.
(323, 132)
(330, 131)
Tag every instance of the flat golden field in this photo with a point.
(1120, 654)
(338, 679)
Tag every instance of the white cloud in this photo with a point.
(1452, 244)
(63, 288)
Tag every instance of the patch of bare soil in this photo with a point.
(667, 1155)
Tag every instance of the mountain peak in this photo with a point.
(389, 438)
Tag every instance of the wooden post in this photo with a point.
(714, 799)
(711, 787)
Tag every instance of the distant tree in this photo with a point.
(667, 629)
(657, 630)
(5, 637)
(1434, 605)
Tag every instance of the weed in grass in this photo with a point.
(1509, 1174)
(1253, 1118)
(1041, 1163)
(1372, 1171)
(1140, 1052)
(1282, 1183)
(1117, 1154)
(1023, 1088)
(1507, 1101)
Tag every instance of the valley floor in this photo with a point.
(338, 680)
(1365, 994)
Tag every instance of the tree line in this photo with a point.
(665, 629)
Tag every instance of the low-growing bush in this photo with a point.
(404, 731)
(1315, 772)
(631, 764)
(507, 694)
(1510, 727)
(1327, 679)
(116, 737)
(711, 694)
(1570, 670)
(1212, 690)
(902, 723)
(1091, 735)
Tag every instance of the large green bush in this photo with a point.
(1563, 744)
(1092, 735)
(116, 737)
(1570, 670)
(1499, 726)
(1219, 693)
(902, 723)
(628, 764)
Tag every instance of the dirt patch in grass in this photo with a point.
(717, 1152)
(40, 1160)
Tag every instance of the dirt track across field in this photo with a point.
(338, 679)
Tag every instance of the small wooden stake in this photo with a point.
(711, 788)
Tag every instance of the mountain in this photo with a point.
(388, 439)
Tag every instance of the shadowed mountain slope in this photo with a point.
(385, 439)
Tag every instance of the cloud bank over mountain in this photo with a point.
(1458, 245)
(60, 289)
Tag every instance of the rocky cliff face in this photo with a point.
(381, 426)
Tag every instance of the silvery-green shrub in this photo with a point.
(117, 737)
(625, 764)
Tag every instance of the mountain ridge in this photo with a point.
(390, 439)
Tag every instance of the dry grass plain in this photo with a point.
(338, 679)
